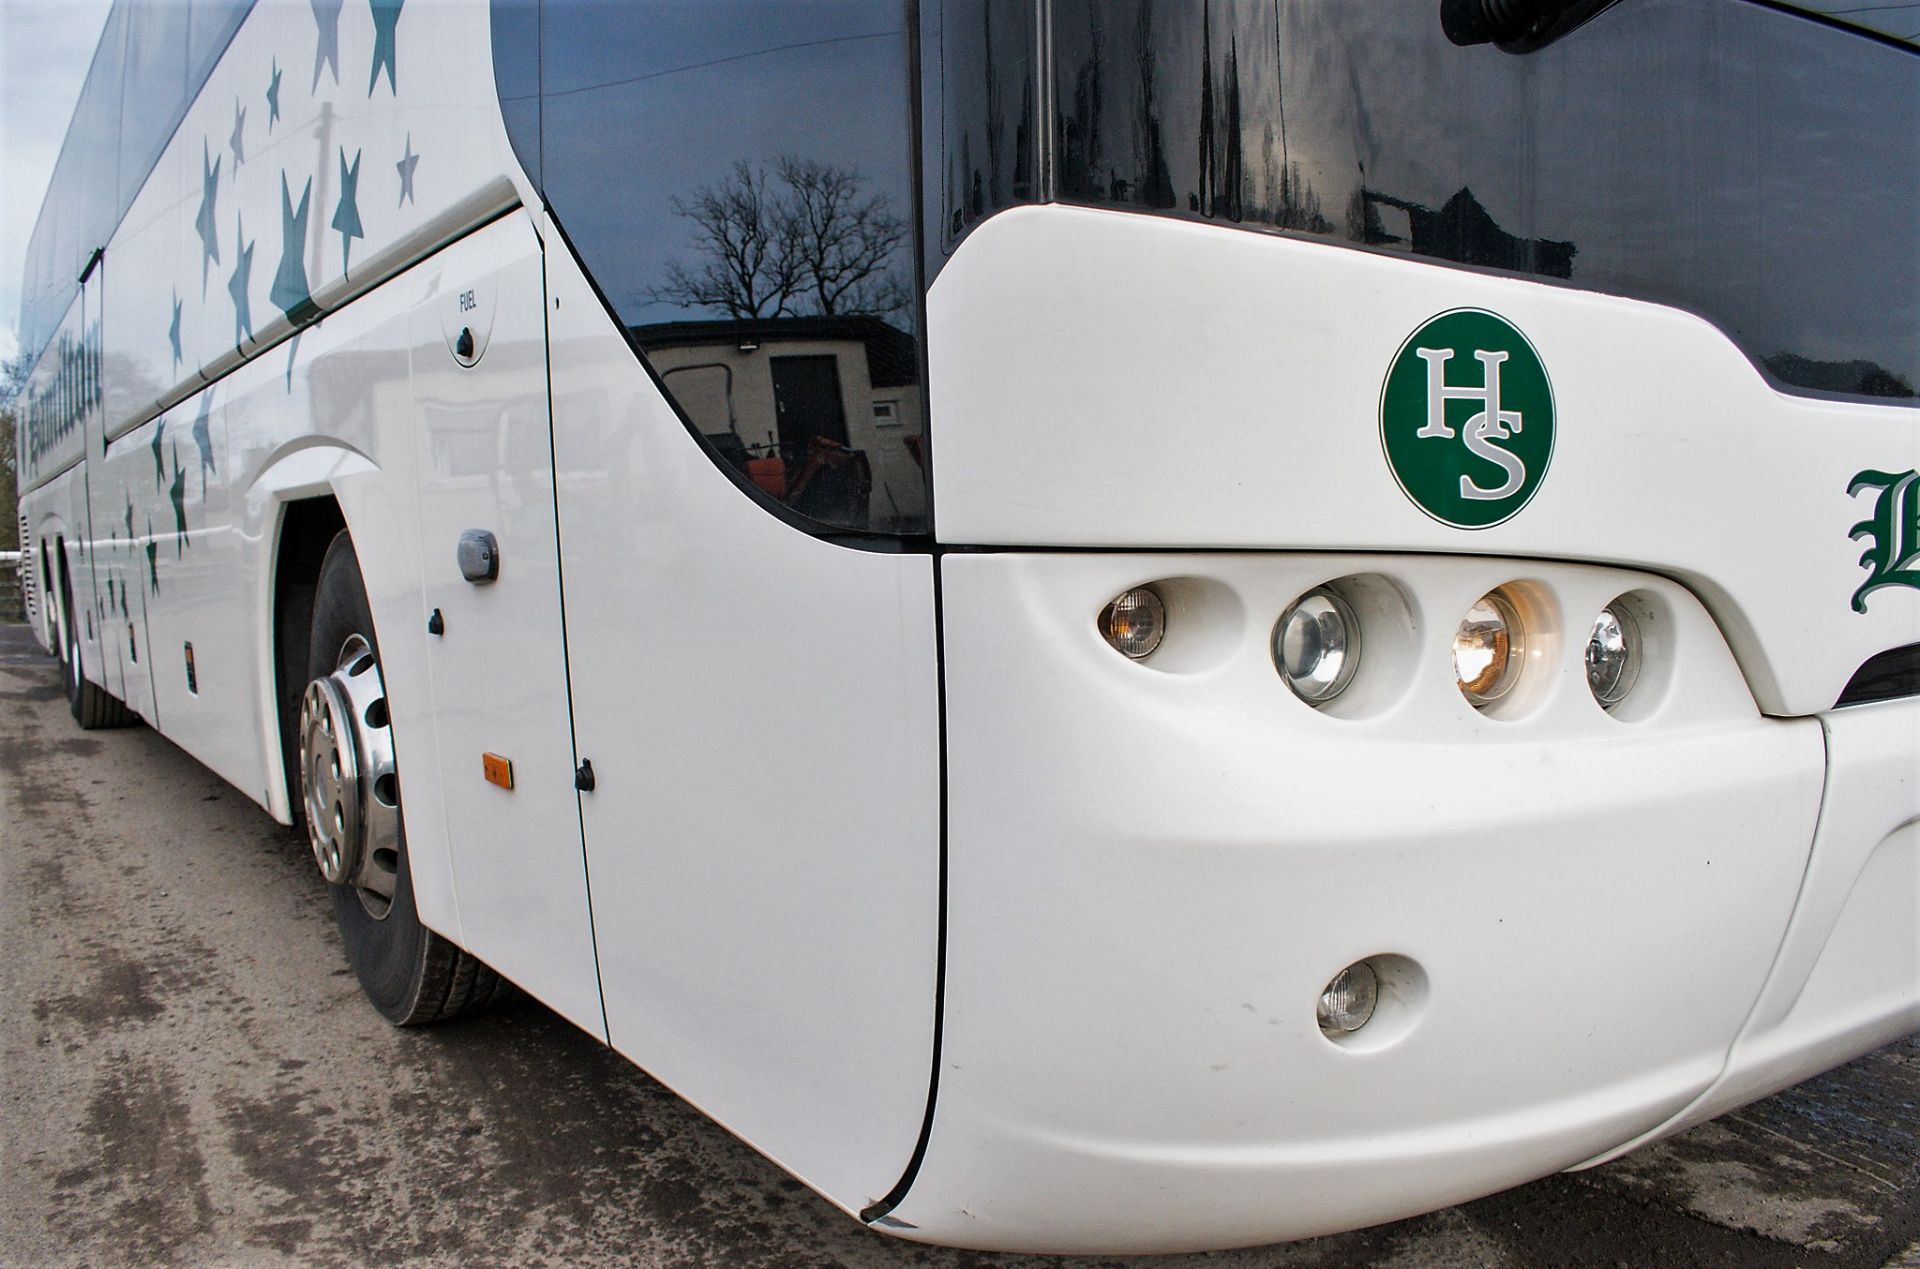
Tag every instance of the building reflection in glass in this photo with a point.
(738, 180)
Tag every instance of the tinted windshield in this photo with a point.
(1755, 167)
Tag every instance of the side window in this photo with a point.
(738, 180)
(154, 94)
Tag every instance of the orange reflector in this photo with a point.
(499, 770)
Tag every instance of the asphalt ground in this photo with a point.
(188, 1075)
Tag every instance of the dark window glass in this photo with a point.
(981, 78)
(1754, 167)
(155, 93)
(1699, 155)
(516, 77)
(737, 177)
(1893, 20)
(211, 25)
(148, 67)
(92, 148)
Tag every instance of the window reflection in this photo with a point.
(821, 413)
(1698, 155)
(982, 52)
(149, 65)
(737, 178)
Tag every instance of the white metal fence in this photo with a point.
(13, 586)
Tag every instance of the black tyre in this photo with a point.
(93, 707)
(350, 800)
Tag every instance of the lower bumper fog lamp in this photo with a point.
(1347, 1003)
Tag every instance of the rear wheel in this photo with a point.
(93, 707)
(350, 799)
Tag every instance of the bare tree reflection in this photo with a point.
(805, 384)
(799, 239)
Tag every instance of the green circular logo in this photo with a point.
(1466, 418)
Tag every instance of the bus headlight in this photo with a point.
(1317, 646)
(1135, 623)
(1613, 655)
(1486, 649)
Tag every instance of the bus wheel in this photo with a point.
(350, 798)
(93, 707)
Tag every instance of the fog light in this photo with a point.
(1317, 646)
(1486, 649)
(1135, 623)
(1613, 655)
(1347, 1002)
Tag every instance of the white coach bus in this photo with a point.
(1107, 626)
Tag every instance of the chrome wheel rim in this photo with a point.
(349, 782)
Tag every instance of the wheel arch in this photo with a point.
(298, 493)
(305, 528)
(60, 588)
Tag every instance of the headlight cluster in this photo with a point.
(1316, 644)
(1489, 651)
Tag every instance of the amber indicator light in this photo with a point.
(499, 770)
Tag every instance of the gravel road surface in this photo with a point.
(190, 1076)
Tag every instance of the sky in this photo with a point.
(45, 48)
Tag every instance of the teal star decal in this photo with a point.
(159, 466)
(290, 293)
(237, 142)
(153, 558)
(177, 492)
(346, 217)
(273, 97)
(405, 166)
(386, 15)
(326, 16)
(173, 331)
(203, 439)
(204, 222)
(129, 517)
(237, 284)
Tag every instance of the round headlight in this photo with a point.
(1317, 646)
(1347, 1003)
(1486, 649)
(1613, 655)
(1135, 623)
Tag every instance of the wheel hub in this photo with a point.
(348, 779)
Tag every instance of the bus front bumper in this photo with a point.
(1154, 868)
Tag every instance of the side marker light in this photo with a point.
(1135, 622)
(497, 769)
